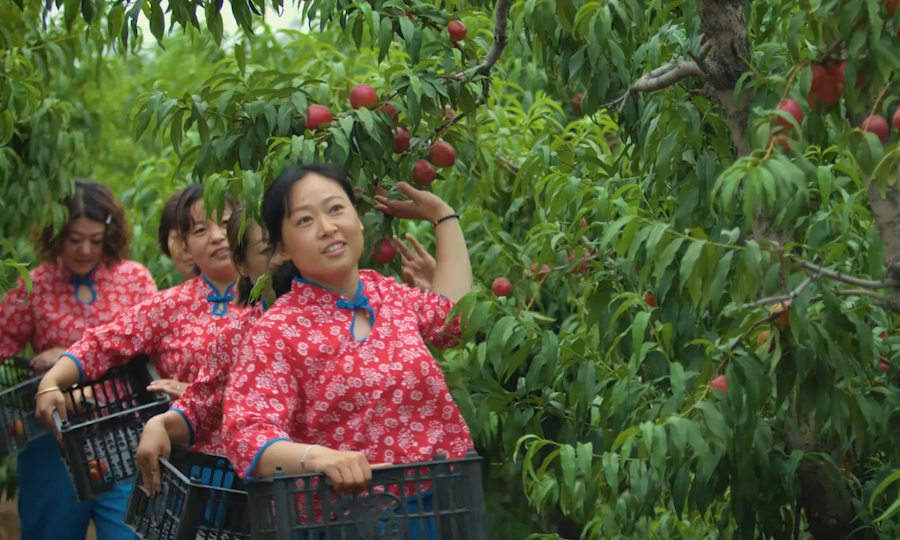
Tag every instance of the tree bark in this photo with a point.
(824, 495)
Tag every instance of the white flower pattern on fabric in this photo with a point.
(201, 402)
(52, 316)
(365, 395)
(174, 328)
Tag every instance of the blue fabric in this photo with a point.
(188, 422)
(48, 509)
(109, 513)
(220, 300)
(214, 514)
(360, 301)
(87, 281)
(77, 363)
(413, 528)
(259, 455)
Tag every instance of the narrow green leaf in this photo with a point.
(752, 257)
(567, 463)
(157, 21)
(611, 470)
(714, 420)
(385, 36)
(115, 20)
(690, 260)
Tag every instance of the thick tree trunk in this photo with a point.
(825, 496)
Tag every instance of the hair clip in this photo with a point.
(108, 219)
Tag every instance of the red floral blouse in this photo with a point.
(174, 328)
(302, 376)
(53, 316)
(201, 402)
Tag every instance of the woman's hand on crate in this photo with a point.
(45, 403)
(41, 363)
(169, 386)
(155, 442)
(349, 471)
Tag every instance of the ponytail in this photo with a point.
(283, 277)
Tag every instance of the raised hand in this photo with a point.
(420, 204)
(417, 266)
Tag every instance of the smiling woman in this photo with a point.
(310, 396)
(84, 282)
(96, 231)
(174, 328)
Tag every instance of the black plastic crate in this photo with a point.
(202, 497)
(18, 424)
(105, 420)
(435, 500)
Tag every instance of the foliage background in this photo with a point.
(591, 405)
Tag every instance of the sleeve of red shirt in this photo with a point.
(135, 331)
(432, 310)
(16, 321)
(261, 398)
(201, 402)
(145, 281)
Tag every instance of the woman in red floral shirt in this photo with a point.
(83, 282)
(337, 374)
(196, 418)
(174, 328)
(170, 239)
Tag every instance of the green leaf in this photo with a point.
(611, 470)
(413, 106)
(825, 179)
(157, 21)
(88, 11)
(690, 260)
(638, 329)
(300, 104)
(585, 456)
(477, 320)
(752, 257)
(718, 284)
(214, 20)
(714, 420)
(385, 36)
(567, 463)
(240, 55)
(115, 20)
(668, 256)
(72, 10)
(7, 127)
(681, 487)
(677, 380)
(368, 121)
(612, 230)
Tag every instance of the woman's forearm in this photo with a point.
(177, 427)
(64, 374)
(453, 274)
(284, 454)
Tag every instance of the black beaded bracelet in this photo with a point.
(434, 224)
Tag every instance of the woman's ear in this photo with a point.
(281, 251)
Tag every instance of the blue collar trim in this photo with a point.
(219, 300)
(360, 301)
(86, 281)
